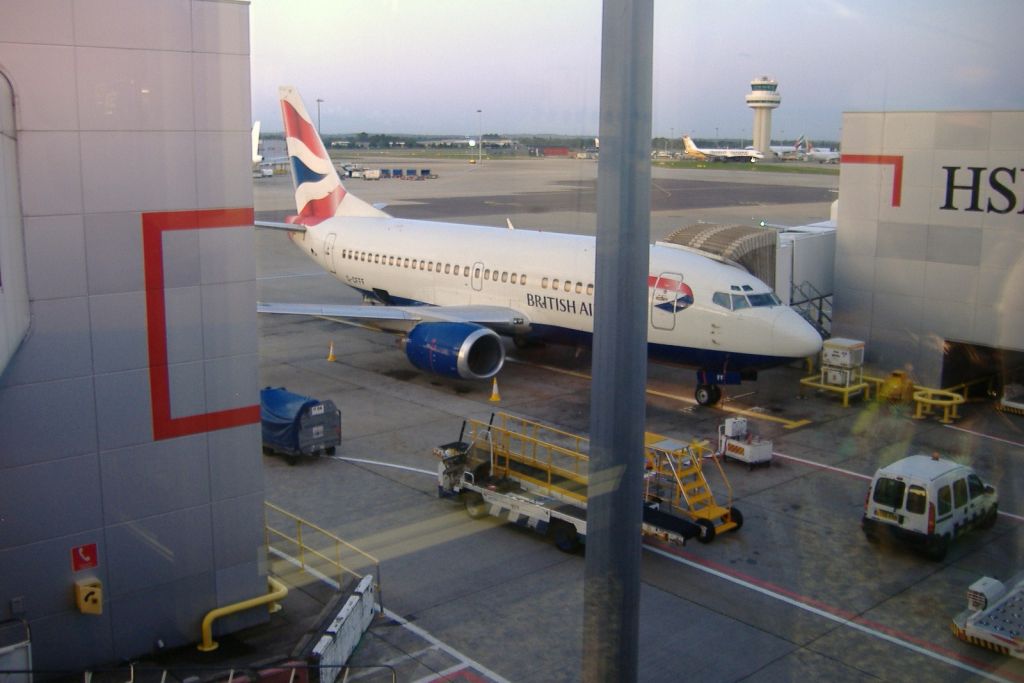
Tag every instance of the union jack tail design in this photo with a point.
(319, 193)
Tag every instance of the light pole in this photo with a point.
(480, 137)
(318, 102)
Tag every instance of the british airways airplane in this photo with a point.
(451, 289)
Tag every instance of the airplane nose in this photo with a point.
(793, 337)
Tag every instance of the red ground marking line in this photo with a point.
(879, 159)
(154, 225)
(834, 611)
(466, 674)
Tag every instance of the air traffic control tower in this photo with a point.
(762, 99)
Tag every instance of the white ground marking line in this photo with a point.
(465, 662)
(831, 617)
(361, 461)
(858, 475)
(451, 651)
(985, 436)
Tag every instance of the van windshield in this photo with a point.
(889, 492)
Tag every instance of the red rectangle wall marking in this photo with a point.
(154, 225)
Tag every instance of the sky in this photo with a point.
(533, 66)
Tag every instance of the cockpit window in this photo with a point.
(739, 301)
(766, 299)
(722, 299)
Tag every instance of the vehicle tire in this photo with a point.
(704, 395)
(937, 549)
(989, 520)
(564, 535)
(330, 450)
(736, 516)
(716, 394)
(707, 531)
(476, 507)
(267, 450)
(292, 459)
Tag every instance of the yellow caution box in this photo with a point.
(89, 596)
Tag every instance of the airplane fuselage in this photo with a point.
(701, 313)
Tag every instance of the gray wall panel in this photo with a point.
(57, 345)
(961, 246)
(232, 382)
(899, 276)
(55, 256)
(146, 480)
(158, 550)
(113, 247)
(71, 503)
(236, 467)
(119, 338)
(66, 640)
(184, 308)
(901, 241)
(123, 412)
(188, 389)
(951, 283)
(181, 258)
(241, 582)
(172, 613)
(227, 255)
(228, 326)
(30, 416)
(237, 522)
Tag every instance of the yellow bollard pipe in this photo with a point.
(279, 590)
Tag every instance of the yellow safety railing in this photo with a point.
(309, 543)
(927, 399)
(555, 468)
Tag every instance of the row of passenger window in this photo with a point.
(456, 270)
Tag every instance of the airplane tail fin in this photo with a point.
(690, 148)
(319, 193)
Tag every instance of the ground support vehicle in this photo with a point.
(926, 502)
(536, 476)
(994, 617)
(296, 425)
(735, 442)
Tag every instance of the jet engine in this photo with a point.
(462, 350)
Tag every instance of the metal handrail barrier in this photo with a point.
(304, 549)
(278, 591)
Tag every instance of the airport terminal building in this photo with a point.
(929, 267)
(129, 439)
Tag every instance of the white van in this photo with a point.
(927, 501)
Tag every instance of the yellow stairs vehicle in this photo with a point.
(536, 476)
(675, 475)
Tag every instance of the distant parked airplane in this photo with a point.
(823, 155)
(450, 289)
(727, 154)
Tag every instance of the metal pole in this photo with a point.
(318, 102)
(480, 136)
(611, 591)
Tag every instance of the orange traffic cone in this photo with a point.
(330, 354)
(495, 396)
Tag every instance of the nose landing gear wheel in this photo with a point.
(708, 394)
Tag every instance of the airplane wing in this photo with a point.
(401, 319)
